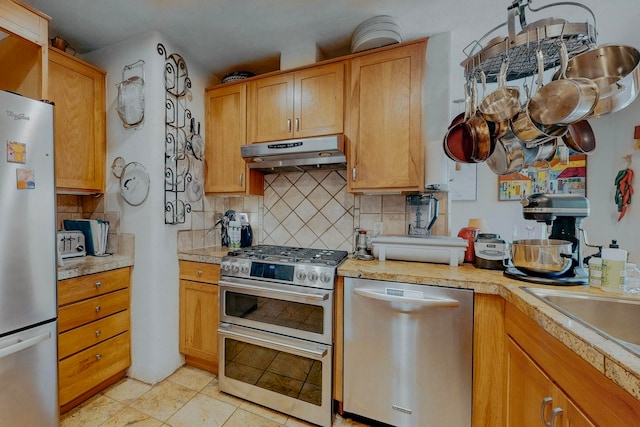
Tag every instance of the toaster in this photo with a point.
(71, 244)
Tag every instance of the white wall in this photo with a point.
(617, 23)
(154, 291)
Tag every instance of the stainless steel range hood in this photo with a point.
(296, 155)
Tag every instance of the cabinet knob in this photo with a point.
(98, 356)
(199, 272)
(288, 125)
(353, 174)
(98, 285)
(98, 308)
(241, 177)
(543, 405)
(297, 124)
(98, 333)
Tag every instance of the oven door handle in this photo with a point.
(424, 302)
(232, 331)
(304, 296)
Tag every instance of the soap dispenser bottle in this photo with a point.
(613, 265)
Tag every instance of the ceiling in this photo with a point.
(232, 35)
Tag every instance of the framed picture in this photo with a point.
(565, 173)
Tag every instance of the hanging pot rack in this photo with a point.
(520, 48)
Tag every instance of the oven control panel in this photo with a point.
(317, 276)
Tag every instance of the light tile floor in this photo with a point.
(188, 398)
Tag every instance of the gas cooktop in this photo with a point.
(291, 254)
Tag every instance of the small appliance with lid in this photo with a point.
(491, 251)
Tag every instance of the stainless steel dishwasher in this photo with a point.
(408, 353)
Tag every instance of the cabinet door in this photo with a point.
(78, 90)
(527, 388)
(199, 322)
(532, 395)
(385, 120)
(319, 101)
(226, 131)
(270, 111)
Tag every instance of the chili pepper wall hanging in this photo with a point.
(624, 189)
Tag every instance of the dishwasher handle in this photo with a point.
(425, 302)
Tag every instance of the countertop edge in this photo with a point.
(82, 266)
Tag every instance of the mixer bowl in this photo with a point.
(542, 257)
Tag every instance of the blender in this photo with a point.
(422, 213)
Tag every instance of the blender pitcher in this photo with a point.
(422, 212)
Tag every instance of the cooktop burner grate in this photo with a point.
(291, 254)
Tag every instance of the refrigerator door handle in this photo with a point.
(20, 344)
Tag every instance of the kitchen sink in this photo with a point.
(612, 317)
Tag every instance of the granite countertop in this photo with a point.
(211, 255)
(82, 266)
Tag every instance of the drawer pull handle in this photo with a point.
(98, 308)
(98, 356)
(98, 285)
(546, 401)
(98, 333)
(199, 272)
(555, 413)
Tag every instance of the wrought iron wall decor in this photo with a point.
(183, 146)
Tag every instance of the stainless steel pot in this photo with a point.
(614, 69)
(542, 257)
(565, 100)
(504, 102)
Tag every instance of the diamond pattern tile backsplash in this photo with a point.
(310, 209)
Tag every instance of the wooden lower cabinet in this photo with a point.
(540, 367)
(534, 400)
(199, 315)
(94, 343)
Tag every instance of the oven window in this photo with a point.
(294, 315)
(287, 374)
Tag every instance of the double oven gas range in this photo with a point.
(276, 328)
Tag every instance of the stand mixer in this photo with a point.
(563, 214)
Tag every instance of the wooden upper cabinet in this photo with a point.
(78, 91)
(24, 21)
(300, 104)
(384, 128)
(226, 131)
(23, 44)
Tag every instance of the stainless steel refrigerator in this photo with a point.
(28, 343)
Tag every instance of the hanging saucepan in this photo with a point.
(615, 71)
(507, 156)
(504, 102)
(479, 131)
(541, 152)
(580, 137)
(457, 143)
(565, 100)
(522, 125)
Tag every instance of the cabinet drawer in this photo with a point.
(199, 271)
(83, 287)
(82, 371)
(80, 313)
(78, 339)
